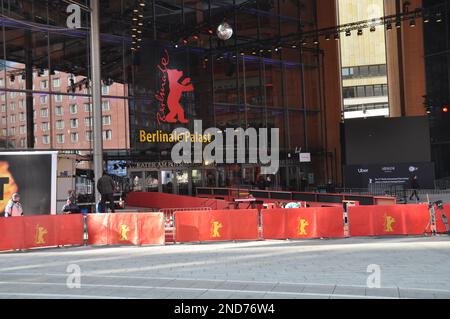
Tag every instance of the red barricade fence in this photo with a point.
(317, 222)
(126, 229)
(162, 200)
(219, 225)
(41, 231)
(388, 220)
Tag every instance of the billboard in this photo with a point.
(360, 176)
(33, 176)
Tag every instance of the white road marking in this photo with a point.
(205, 290)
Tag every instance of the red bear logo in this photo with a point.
(176, 89)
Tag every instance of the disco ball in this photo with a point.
(224, 31)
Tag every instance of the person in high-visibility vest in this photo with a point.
(14, 207)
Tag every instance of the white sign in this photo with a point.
(305, 157)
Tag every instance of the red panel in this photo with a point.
(187, 227)
(70, 229)
(39, 231)
(244, 224)
(215, 225)
(12, 233)
(360, 220)
(123, 229)
(151, 229)
(97, 226)
(161, 200)
(274, 223)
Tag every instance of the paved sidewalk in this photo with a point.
(410, 268)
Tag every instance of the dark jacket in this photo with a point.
(414, 183)
(105, 185)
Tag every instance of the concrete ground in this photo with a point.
(409, 268)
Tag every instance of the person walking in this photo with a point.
(106, 187)
(415, 188)
(14, 207)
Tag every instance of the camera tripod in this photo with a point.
(432, 223)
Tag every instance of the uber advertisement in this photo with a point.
(361, 176)
(32, 176)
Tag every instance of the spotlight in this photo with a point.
(327, 37)
(336, 36)
(142, 4)
(185, 41)
(304, 42)
(195, 37)
(426, 18)
(398, 24)
(389, 26)
(348, 33)
(294, 46)
(412, 23)
(242, 53)
(360, 32)
(316, 41)
(438, 17)
(445, 109)
(175, 46)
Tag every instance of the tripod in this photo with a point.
(432, 225)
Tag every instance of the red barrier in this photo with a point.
(440, 224)
(161, 200)
(317, 222)
(41, 231)
(388, 220)
(126, 229)
(220, 225)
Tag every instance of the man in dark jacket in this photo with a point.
(415, 187)
(106, 187)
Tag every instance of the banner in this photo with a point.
(388, 220)
(317, 222)
(41, 231)
(220, 225)
(126, 229)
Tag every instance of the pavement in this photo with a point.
(404, 267)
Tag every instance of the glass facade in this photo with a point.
(149, 51)
(437, 63)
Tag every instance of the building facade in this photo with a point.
(363, 61)
(262, 77)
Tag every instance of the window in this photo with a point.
(22, 117)
(12, 131)
(87, 107)
(21, 104)
(13, 118)
(73, 109)
(45, 127)
(106, 120)
(3, 97)
(4, 120)
(12, 94)
(2, 82)
(4, 132)
(44, 84)
(12, 106)
(88, 121)
(74, 137)
(72, 97)
(105, 89)
(59, 124)
(89, 136)
(45, 139)
(23, 143)
(105, 106)
(44, 112)
(3, 108)
(56, 83)
(58, 98)
(43, 99)
(365, 91)
(107, 135)
(59, 111)
(74, 123)
(60, 138)
(377, 90)
(22, 129)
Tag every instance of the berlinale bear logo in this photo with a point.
(170, 109)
